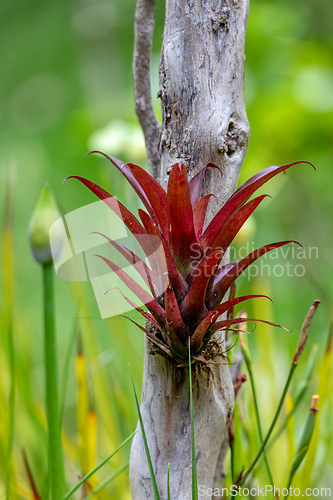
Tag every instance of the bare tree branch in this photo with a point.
(144, 28)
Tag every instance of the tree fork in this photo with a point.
(203, 120)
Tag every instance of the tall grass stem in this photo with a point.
(99, 466)
(8, 294)
(55, 457)
(194, 463)
(145, 442)
(257, 414)
(65, 373)
(272, 426)
(107, 481)
(168, 479)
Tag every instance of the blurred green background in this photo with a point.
(66, 88)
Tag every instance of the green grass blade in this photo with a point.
(304, 441)
(8, 254)
(272, 426)
(299, 392)
(298, 353)
(145, 442)
(248, 362)
(194, 463)
(11, 402)
(99, 466)
(65, 373)
(169, 496)
(107, 481)
(232, 464)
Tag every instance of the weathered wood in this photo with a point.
(202, 89)
(165, 411)
(144, 28)
(203, 120)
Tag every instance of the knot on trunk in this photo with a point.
(235, 140)
(221, 19)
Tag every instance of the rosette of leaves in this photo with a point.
(185, 302)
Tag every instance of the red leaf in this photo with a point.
(212, 295)
(145, 314)
(199, 214)
(138, 231)
(174, 316)
(178, 347)
(123, 213)
(193, 305)
(224, 235)
(154, 339)
(251, 185)
(237, 268)
(211, 317)
(182, 238)
(178, 282)
(241, 196)
(195, 183)
(140, 292)
(227, 323)
(140, 266)
(148, 189)
(222, 324)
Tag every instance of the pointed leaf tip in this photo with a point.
(150, 192)
(195, 183)
(240, 196)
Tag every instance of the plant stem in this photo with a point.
(145, 442)
(276, 416)
(106, 481)
(194, 462)
(7, 265)
(232, 464)
(256, 408)
(168, 481)
(11, 403)
(55, 458)
(288, 489)
(99, 466)
(65, 373)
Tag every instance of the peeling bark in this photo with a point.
(203, 120)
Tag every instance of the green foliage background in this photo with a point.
(66, 87)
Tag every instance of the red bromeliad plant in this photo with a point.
(184, 303)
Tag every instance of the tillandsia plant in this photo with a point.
(185, 302)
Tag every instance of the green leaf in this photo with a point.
(272, 426)
(305, 440)
(107, 481)
(150, 465)
(88, 476)
(65, 373)
(194, 463)
(169, 496)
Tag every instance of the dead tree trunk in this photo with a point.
(203, 120)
